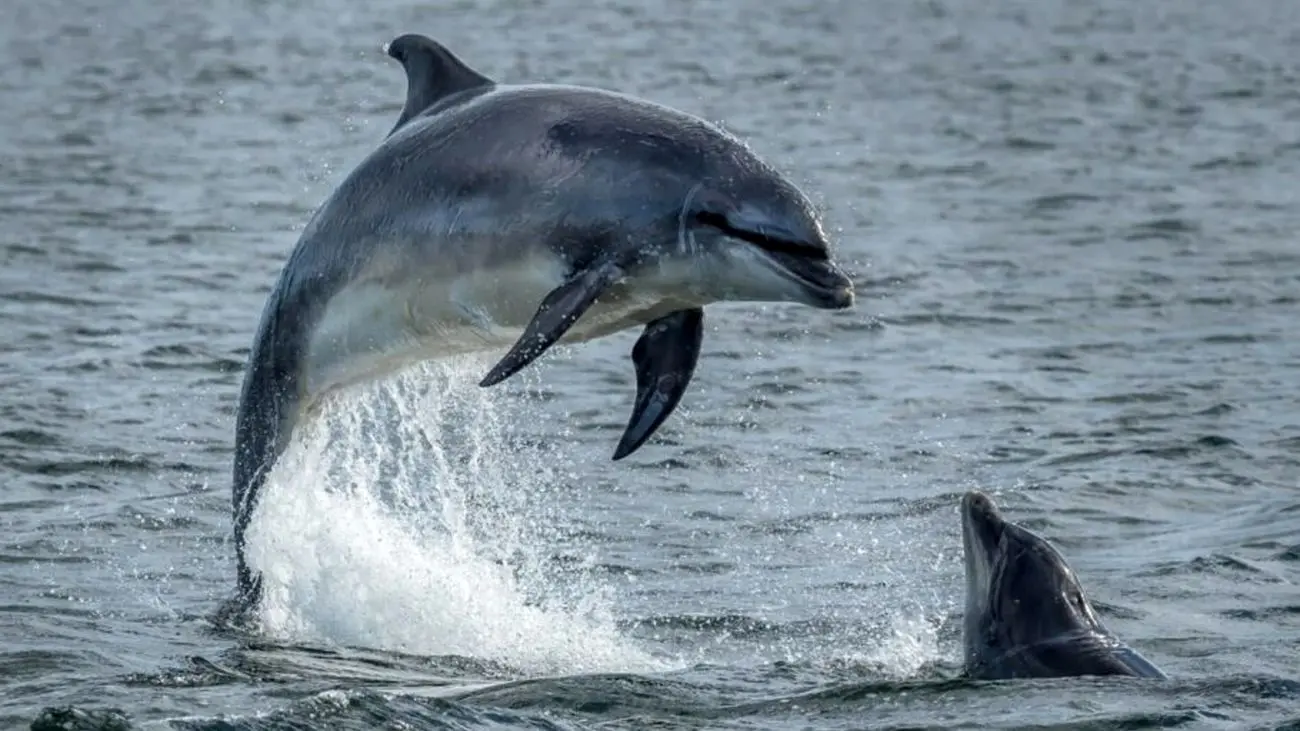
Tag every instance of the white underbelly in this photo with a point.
(373, 327)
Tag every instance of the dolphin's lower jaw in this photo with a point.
(838, 295)
(742, 272)
(820, 282)
(977, 560)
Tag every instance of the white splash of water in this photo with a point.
(914, 596)
(916, 601)
(404, 518)
(911, 643)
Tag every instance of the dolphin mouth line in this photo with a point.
(769, 242)
(833, 288)
(830, 287)
(806, 264)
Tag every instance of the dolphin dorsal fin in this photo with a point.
(432, 74)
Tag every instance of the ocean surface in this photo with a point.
(1075, 233)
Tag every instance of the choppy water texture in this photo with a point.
(1073, 226)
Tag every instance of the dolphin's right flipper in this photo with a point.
(665, 356)
(557, 313)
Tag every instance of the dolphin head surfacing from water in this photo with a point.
(516, 217)
(1026, 613)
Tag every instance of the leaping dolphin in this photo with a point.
(498, 215)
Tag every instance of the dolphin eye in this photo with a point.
(766, 238)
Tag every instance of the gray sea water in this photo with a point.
(1073, 226)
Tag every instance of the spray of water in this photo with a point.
(406, 517)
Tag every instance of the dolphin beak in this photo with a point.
(797, 252)
(825, 284)
(981, 535)
(792, 244)
(982, 524)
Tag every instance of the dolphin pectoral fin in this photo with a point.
(557, 313)
(665, 356)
